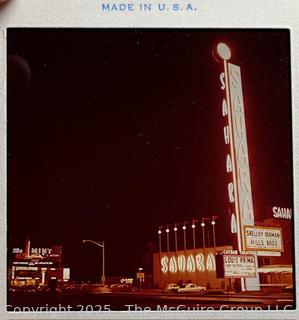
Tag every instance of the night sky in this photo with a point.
(112, 133)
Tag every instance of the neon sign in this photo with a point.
(233, 225)
(237, 159)
(282, 213)
(173, 267)
(240, 144)
(191, 263)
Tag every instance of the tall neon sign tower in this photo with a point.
(237, 159)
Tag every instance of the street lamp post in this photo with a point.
(160, 244)
(160, 249)
(102, 245)
(203, 235)
(204, 246)
(184, 232)
(193, 232)
(213, 222)
(167, 238)
(175, 229)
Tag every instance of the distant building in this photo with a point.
(36, 266)
(270, 243)
(277, 269)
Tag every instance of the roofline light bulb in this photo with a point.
(193, 226)
(175, 229)
(224, 51)
(184, 227)
(159, 231)
(203, 224)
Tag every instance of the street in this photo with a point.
(147, 300)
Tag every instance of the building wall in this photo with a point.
(201, 269)
(286, 257)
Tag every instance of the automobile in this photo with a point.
(191, 287)
(123, 287)
(99, 288)
(172, 287)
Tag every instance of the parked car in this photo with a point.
(172, 287)
(191, 287)
(123, 287)
(99, 288)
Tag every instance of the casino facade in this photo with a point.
(260, 255)
(36, 266)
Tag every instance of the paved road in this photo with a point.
(147, 300)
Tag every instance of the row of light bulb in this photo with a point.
(184, 227)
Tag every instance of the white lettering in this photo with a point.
(200, 262)
(164, 264)
(229, 167)
(237, 103)
(181, 263)
(173, 268)
(226, 134)
(282, 213)
(224, 108)
(247, 210)
(211, 264)
(242, 153)
(275, 215)
(233, 224)
(240, 144)
(230, 188)
(190, 264)
(221, 77)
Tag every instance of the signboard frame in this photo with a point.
(263, 249)
(239, 277)
(140, 275)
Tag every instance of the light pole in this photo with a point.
(204, 246)
(102, 245)
(213, 222)
(203, 235)
(175, 229)
(167, 238)
(160, 244)
(160, 250)
(193, 232)
(184, 231)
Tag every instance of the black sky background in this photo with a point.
(120, 131)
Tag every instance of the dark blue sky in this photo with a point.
(120, 131)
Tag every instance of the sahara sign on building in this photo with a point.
(196, 265)
(282, 213)
(263, 238)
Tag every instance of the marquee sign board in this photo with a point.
(140, 275)
(263, 238)
(239, 266)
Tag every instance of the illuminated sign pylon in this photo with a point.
(237, 161)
